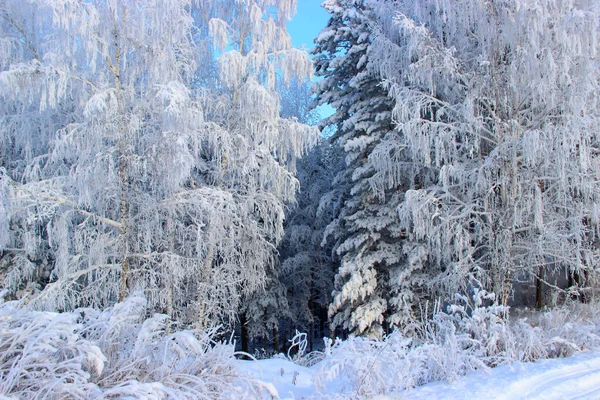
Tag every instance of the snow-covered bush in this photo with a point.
(42, 354)
(297, 351)
(473, 333)
(367, 367)
(481, 331)
(113, 354)
(564, 330)
(465, 337)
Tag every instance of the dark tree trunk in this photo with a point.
(571, 281)
(539, 289)
(275, 340)
(244, 329)
(586, 275)
(582, 281)
(576, 280)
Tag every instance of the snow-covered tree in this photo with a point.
(256, 61)
(307, 269)
(297, 100)
(126, 164)
(286, 304)
(366, 232)
(497, 109)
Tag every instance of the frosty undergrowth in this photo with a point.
(87, 354)
(452, 343)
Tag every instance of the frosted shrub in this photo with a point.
(299, 343)
(43, 354)
(468, 336)
(113, 354)
(571, 328)
(297, 351)
(530, 346)
(481, 331)
(367, 367)
(446, 357)
(473, 333)
(144, 358)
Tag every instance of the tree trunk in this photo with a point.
(539, 289)
(123, 231)
(276, 340)
(570, 280)
(586, 274)
(496, 282)
(202, 317)
(506, 287)
(571, 283)
(244, 332)
(311, 334)
(122, 165)
(582, 281)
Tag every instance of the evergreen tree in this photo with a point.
(366, 231)
(266, 311)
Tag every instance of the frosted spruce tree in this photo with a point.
(498, 102)
(128, 163)
(366, 230)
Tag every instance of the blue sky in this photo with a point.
(310, 18)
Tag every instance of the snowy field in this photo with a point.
(575, 377)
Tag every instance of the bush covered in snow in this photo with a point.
(87, 354)
(466, 336)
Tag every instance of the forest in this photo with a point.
(171, 198)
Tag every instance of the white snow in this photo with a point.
(575, 377)
(292, 381)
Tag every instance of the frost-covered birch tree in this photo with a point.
(498, 102)
(128, 165)
(255, 56)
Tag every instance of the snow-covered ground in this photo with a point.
(91, 354)
(291, 381)
(576, 377)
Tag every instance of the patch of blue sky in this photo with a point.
(305, 26)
